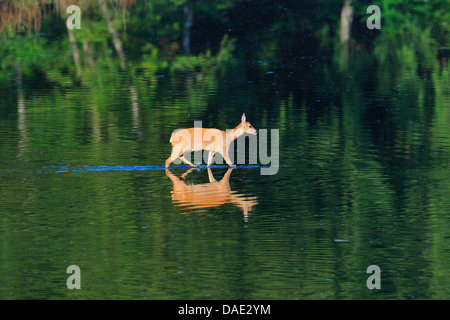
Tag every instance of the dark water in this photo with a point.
(363, 180)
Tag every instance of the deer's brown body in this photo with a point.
(212, 140)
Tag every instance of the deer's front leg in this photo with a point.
(210, 157)
(227, 159)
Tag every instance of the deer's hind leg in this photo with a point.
(176, 153)
(182, 157)
(170, 160)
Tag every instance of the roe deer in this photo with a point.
(208, 195)
(212, 140)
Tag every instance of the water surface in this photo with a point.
(363, 180)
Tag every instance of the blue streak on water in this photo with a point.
(141, 168)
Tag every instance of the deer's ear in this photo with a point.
(243, 119)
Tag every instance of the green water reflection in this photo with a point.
(364, 159)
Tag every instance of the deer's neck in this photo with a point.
(234, 134)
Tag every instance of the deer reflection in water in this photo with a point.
(209, 195)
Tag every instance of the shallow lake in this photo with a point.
(363, 179)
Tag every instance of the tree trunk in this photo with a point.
(115, 36)
(75, 52)
(346, 21)
(117, 42)
(89, 54)
(135, 108)
(189, 17)
(21, 116)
